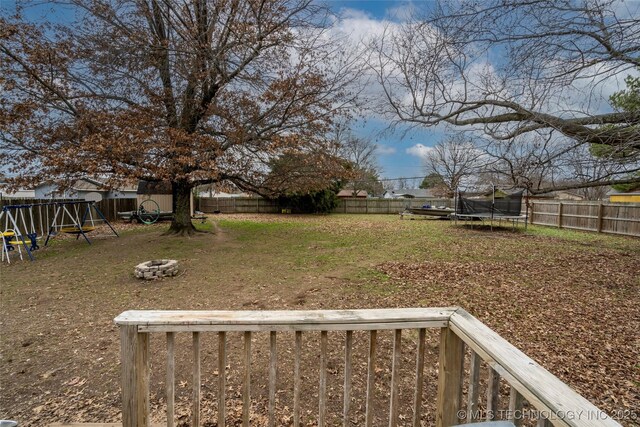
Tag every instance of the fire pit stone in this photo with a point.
(156, 269)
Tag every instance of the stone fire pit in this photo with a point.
(157, 268)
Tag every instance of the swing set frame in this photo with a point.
(78, 226)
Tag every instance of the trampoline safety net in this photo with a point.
(509, 205)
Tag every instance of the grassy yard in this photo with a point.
(570, 300)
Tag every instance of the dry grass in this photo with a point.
(570, 300)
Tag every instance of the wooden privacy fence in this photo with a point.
(108, 207)
(612, 218)
(462, 338)
(349, 205)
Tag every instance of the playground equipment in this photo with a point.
(25, 224)
(20, 228)
(148, 212)
(508, 207)
(70, 222)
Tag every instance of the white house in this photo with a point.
(81, 188)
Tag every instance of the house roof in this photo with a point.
(349, 193)
(618, 193)
(86, 184)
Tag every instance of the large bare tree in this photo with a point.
(455, 160)
(191, 92)
(510, 68)
(361, 155)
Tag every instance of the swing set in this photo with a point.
(21, 224)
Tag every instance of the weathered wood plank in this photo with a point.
(273, 374)
(297, 385)
(348, 351)
(450, 369)
(371, 377)
(246, 389)
(222, 378)
(281, 317)
(541, 388)
(417, 396)
(493, 394)
(322, 392)
(395, 378)
(171, 379)
(474, 387)
(543, 422)
(515, 407)
(292, 327)
(134, 349)
(196, 379)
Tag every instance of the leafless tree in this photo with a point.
(456, 160)
(362, 156)
(510, 68)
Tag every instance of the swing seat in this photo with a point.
(76, 230)
(8, 234)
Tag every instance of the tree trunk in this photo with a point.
(181, 223)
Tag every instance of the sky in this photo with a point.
(400, 151)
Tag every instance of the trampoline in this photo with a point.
(508, 207)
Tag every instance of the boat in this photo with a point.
(440, 211)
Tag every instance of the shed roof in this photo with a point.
(154, 187)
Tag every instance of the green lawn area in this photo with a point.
(570, 300)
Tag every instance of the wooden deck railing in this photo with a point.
(556, 403)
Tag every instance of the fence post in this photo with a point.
(600, 217)
(560, 215)
(450, 371)
(134, 353)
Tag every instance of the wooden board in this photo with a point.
(184, 321)
(533, 382)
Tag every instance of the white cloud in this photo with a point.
(419, 150)
(385, 150)
(403, 12)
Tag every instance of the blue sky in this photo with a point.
(398, 153)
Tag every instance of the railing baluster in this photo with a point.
(196, 379)
(493, 394)
(323, 379)
(296, 380)
(171, 364)
(450, 369)
(474, 387)
(222, 377)
(371, 376)
(273, 371)
(417, 397)
(395, 378)
(543, 422)
(515, 407)
(134, 347)
(348, 349)
(246, 392)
